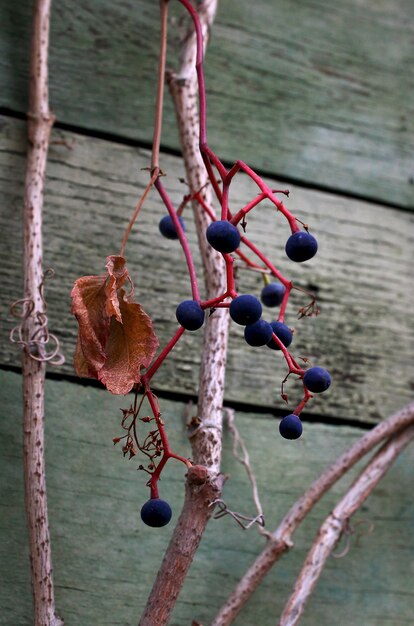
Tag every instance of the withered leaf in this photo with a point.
(116, 338)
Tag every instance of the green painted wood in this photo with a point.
(362, 273)
(325, 91)
(105, 559)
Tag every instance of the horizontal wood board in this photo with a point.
(105, 559)
(325, 91)
(362, 274)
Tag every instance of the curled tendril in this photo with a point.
(350, 530)
(35, 346)
(224, 510)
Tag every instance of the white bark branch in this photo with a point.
(204, 481)
(281, 538)
(206, 440)
(40, 121)
(334, 525)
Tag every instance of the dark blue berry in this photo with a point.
(290, 427)
(156, 513)
(272, 294)
(245, 310)
(167, 227)
(223, 236)
(301, 246)
(190, 315)
(317, 379)
(283, 332)
(258, 334)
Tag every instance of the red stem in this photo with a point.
(210, 171)
(240, 165)
(166, 447)
(211, 161)
(205, 207)
(287, 283)
(225, 213)
(182, 238)
(303, 402)
(213, 158)
(239, 216)
(199, 69)
(161, 357)
(216, 302)
(248, 261)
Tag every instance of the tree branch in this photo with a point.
(33, 327)
(206, 439)
(334, 525)
(204, 482)
(281, 538)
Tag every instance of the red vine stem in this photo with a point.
(227, 176)
(182, 238)
(167, 453)
(240, 165)
(170, 345)
(210, 160)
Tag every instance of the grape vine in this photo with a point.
(227, 236)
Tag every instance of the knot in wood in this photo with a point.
(197, 475)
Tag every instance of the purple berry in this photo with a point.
(190, 315)
(317, 379)
(245, 310)
(167, 227)
(223, 236)
(290, 427)
(301, 246)
(272, 294)
(258, 334)
(156, 513)
(283, 332)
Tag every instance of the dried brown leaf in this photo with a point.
(116, 338)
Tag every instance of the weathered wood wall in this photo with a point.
(362, 274)
(321, 96)
(105, 560)
(325, 90)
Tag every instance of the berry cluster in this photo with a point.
(246, 309)
(225, 236)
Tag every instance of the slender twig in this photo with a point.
(204, 481)
(281, 539)
(335, 524)
(136, 212)
(241, 453)
(155, 155)
(40, 121)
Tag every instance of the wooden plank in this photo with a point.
(362, 275)
(326, 91)
(105, 559)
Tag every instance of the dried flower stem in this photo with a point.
(40, 121)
